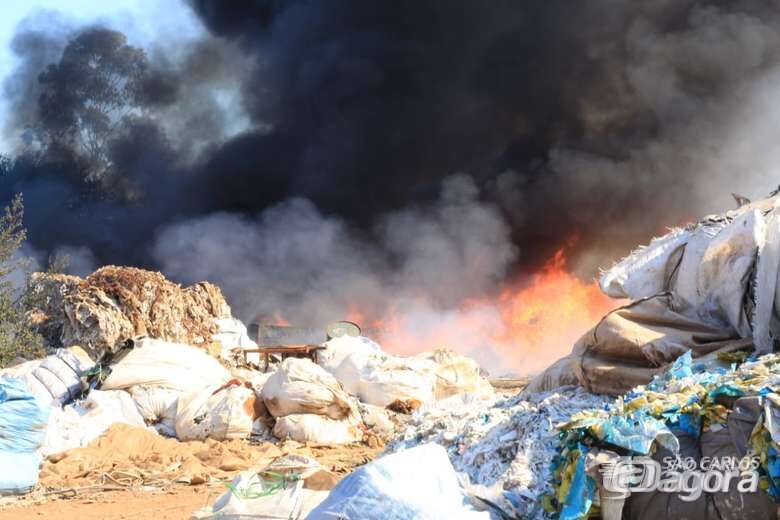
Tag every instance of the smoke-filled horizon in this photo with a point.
(309, 157)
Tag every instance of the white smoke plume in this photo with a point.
(309, 269)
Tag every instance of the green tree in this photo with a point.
(87, 95)
(17, 337)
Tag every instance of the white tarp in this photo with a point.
(415, 484)
(176, 366)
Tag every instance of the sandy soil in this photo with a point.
(176, 503)
(123, 445)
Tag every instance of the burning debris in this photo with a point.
(197, 377)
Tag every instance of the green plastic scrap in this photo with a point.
(266, 484)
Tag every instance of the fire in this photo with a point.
(532, 322)
(545, 317)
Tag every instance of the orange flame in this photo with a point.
(533, 322)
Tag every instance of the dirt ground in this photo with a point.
(175, 503)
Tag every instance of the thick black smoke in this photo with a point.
(598, 120)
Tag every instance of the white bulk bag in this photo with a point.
(415, 484)
(80, 423)
(456, 374)
(54, 379)
(318, 429)
(300, 386)
(382, 379)
(176, 366)
(157, 405)
(216, 412)
(337, 349)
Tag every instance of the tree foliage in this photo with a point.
(88, 95)
(17, 336)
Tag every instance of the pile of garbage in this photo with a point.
(702, 411)
(138, 363)
(503, 445)
(101, 311)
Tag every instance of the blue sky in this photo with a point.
(142, 20)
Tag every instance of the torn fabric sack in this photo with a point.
(707, 287)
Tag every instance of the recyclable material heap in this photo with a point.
(504, 445)
(114, 303)
(720, 408)
(147, 384)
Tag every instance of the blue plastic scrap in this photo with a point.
(23, 422)
(580, 495)
(635, 432)
(23, 419)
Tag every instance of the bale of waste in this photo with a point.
(114, 303)
(365, 371)
(216, 412)
(632, 344)
(157, 405)
(699, 289)
(22, 428)
(318, 429)
(416, 483)
(175, 366)
(54, 379)
(456, 374)
(717, 417)
(300, 386)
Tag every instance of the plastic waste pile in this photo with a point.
(138, 363)
(504, 446)
(714, 409)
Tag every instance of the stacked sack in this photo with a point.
(379, 379)
(55, 379)
(184, 392)
(310, 405)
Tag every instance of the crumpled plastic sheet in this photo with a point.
(635, 432)
(686, 396)
(505, 446)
